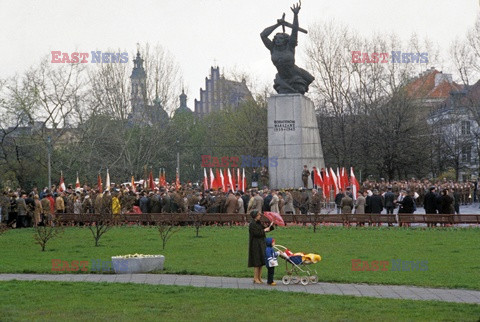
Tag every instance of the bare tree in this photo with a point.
(110, 89)
(164, 80)
(166, 230)
(353, 98)
(43, 234)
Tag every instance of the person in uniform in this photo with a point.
(305, 175)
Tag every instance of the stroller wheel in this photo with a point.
(304, 280)
(296, 279)
(286, 279)
(314, 279)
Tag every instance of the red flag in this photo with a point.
(151, 183)
(344, 178)
(61, 186)
(327, 184)
(77, 183)
(238, 179)
(315, 176)
(354, 183)
(218, 180)
(205, 179)
(99, 183)
(163, 181)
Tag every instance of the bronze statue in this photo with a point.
(290, 78)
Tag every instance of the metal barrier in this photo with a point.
(231, 219)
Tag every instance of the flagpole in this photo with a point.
(178, 163)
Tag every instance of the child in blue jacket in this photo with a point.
(270, 260)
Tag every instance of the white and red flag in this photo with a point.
(354, 183)
(334, 181)
(99, 183)
(339, 180)
(107, 182)
(230, 179)
(222, 178)
(234, 181)
(77, 183)
(61, 186)
(318, 181)
(205, 179)
(212, 179)
(177, 180)
(244, 181)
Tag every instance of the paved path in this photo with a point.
(380, 291)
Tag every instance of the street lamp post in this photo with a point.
(49, 157)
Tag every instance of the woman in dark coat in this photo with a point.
(446, 203)
(256, 245)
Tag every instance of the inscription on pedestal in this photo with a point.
(284, 125)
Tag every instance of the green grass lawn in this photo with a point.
(119, 302)
(453, 254)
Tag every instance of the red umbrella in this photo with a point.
(274, 217)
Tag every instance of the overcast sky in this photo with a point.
(200, 32)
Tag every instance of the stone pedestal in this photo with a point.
(293, 138)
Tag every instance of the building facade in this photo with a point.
(456, 122)
(221, 93)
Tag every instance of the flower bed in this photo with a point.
(137, 263)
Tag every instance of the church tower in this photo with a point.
(183, 108)
(139, 90)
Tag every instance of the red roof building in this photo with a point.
(432, 87)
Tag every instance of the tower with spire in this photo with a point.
(143, 114)
(183, 108)
(139, 86)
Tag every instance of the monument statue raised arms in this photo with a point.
(290, 78)
(293, 136)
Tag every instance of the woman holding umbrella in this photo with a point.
(256, 245)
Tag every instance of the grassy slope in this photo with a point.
(118, 302)
(452, 254)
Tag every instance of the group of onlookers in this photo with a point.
(41, 207)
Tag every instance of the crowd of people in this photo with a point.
(39, 207)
